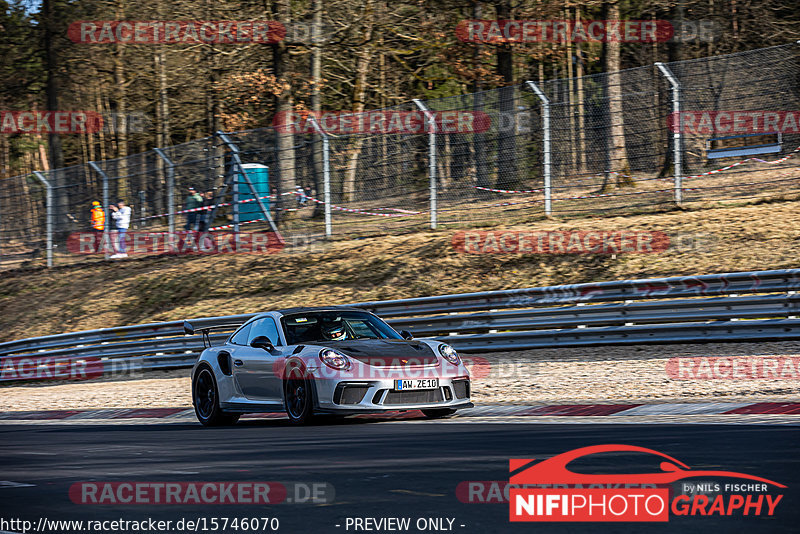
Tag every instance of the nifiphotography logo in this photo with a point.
(549, 491)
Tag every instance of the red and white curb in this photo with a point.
(555, 411)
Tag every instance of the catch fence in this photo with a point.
(599, 144)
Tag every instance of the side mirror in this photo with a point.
(262, 342)
(405, 334)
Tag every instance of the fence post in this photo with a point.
(106, 202)
(548, 193)
(431, 157)
(49, 215)
(170, 189)
(326, 175)
(237, 163)
(677, 145)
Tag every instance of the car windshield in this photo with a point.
(334, 326)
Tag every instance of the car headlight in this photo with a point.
(449, 354)
(334, 360)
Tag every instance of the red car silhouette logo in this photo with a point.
(554, 470)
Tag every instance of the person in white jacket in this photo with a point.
(122, 221)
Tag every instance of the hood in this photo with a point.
(384, 352)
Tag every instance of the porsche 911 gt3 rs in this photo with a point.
(313, 361)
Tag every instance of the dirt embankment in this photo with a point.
(103, 294)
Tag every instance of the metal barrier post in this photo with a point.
(106, 202)
(431, 158)
(326, 175)
(49, 211)
(170, 189)
(548, 193)
(677, 146)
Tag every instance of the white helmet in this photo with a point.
(334, 333)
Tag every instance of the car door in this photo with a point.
(257, 371)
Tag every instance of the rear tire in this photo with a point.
(299, 397)
(438, 413)
(205, 398)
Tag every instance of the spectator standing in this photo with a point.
(204, 220)
(98, 217)
(193, 201)
(122, 220)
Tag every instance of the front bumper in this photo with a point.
(361, 396)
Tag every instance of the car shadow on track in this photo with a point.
(332, 420)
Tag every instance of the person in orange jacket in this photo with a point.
(98, 217)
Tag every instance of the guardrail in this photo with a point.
(747, 306)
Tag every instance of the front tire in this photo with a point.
(438, 413)
(299, 397)
(205, 397)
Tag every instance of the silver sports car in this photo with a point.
(312, 361)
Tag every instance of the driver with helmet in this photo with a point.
(334, 332)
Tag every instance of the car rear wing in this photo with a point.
(207, 324)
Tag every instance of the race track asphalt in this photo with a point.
(387, 469)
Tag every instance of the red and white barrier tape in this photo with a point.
(226, 226)
(715, 171)
(781, 160)
(364, 212)
(639, 179)
(491, 190)
(408, 213)
(732, 165)
(587, 196)
(222, 204)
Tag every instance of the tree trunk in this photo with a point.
(5, 157)
(316, 105)
(478, 139)
(52, 89)
(506, 136)
(101, 133)
(121, 122)
(581, 110)
(573, 160)
(618, 153)
(162, 129)
(281, 10)
(505, 61)
(359, 95)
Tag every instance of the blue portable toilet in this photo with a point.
(259, 177)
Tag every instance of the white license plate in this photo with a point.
(416, 383)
